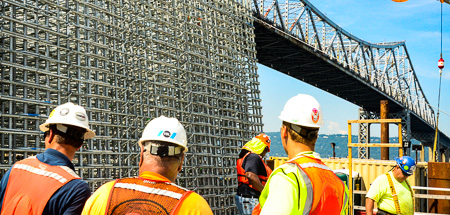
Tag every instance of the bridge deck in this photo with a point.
(291, 56)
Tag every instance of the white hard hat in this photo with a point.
(69, 114)
(303, 110)
(167, 130)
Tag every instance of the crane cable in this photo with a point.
(436, 138)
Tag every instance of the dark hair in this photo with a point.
(73, 136)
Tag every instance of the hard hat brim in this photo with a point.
(88, 135)
(163, 140)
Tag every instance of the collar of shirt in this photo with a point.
(310, 154)
(152, 176)
(55, 158)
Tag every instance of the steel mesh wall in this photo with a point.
(126, 62)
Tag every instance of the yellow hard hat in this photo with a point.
(255, 145)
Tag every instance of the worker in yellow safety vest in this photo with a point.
(304, 184)
(162, 147)
(392, 191)
(252, 173)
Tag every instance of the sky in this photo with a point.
(417, 22)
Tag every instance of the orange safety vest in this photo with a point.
(241, 172)
(328, 189)
(31, 184)
(325, 191)
(143, 196)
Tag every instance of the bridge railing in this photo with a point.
(385, 66)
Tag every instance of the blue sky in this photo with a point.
(416, 21)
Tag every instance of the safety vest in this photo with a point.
(31, 184)
(241, 172)
(394, 194)
(143, 196)
(324, 192)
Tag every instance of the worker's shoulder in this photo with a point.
(286, 168)
(381, 179)
(76, 186)
(194, 195)
(252, 156)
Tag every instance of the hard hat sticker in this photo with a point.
(315, 115)
(64, 112)
(166, 134)
(80, 116)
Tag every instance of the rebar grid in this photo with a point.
(126, 62)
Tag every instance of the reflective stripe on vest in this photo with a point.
(242, 179)
(394, 194)
(141, 196)
(149, 190)
(329, 190)
(31, 184)
(320, 190)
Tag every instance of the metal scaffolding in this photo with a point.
(126, 62)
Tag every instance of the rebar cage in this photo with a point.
(127, 62)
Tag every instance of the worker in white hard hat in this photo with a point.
(162, 148)
(47, 183)
(304, 184)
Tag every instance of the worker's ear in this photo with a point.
(283, 132)
(141, 155)
(181, 164)
(49, 137)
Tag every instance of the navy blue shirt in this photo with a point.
(70, 198)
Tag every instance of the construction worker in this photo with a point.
(47, 183)
(392, 191)
(304, 184)
(162, 148)
(252, 173)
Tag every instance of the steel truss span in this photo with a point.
(385, 67)
(127, 62)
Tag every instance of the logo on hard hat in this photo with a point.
(64, 111)
(80, 116)
(166, 134)
(315, 115)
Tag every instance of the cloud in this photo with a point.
(334, 128)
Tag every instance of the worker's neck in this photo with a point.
(169, 174)
(398, 176)
(294, 148)
(67, 150)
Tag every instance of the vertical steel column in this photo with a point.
(363, 134)
(384, 134)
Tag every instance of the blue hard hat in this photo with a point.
(406, 164)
